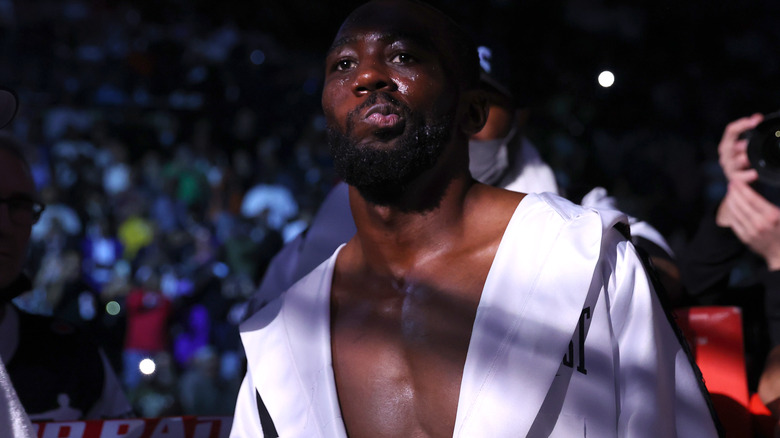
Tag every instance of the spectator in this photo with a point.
(148, 313)
(58, 371)
(13, 418)
(734, 259)
(201, 389)
(100, 251)
(193, 337)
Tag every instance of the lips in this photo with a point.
(382, 115)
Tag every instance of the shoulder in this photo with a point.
(313, 285)
(55, 357)
(560, 206)
(44, 324)
(579, 233)
(54, 334)
(568, 212)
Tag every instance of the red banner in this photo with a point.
(166, 427)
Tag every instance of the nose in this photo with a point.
(371, 76)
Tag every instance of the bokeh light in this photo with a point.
(147, 366)
(606, 79)
(113, 308)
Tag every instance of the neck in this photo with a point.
(392, 238)
(426, 219)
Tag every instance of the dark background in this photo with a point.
(683, 70)
(237, 83)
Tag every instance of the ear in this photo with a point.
(476, 111)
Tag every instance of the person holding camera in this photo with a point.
(754, 220)
(734, 257)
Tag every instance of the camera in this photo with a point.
(764, 149)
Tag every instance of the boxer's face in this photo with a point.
(388, 98)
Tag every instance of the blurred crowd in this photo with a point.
(168, 183)
(177, 151)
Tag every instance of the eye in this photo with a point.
(344, 64)
(21, 204)
(402, 58)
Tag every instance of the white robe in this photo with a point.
(14, 421)
(563, 276)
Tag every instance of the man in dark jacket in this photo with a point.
(57, 371)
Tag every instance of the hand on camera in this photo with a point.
(732, 151)
(754, 220)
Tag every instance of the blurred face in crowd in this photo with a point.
(388, 97)
(17, 194)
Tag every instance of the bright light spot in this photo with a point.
(112, 308)
(606, 79)
(146, 366)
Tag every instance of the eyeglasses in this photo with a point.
(23, 211)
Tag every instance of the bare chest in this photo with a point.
(398, 361)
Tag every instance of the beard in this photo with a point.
(382, 175)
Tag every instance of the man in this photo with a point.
(56, 371)
(457, 309)
(13, 419)
(499, 154)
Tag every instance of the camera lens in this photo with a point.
(770, 149)
(764, 149)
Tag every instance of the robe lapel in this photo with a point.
(522, 330)
(297, 376)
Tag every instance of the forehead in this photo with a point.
(388, 20)
(15, 177)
